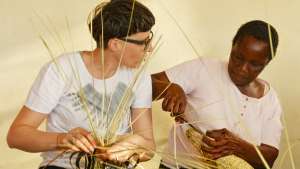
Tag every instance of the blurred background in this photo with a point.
(209, 24)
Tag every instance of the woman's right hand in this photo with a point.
(77, 139)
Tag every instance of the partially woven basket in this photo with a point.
(232, 162)
(227, 162)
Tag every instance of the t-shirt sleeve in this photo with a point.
(185, 74)
(271, 132)
(46, 90)
(143, 92)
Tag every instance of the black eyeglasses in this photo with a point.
(145, 42)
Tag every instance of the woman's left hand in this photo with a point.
(119, 153)
(219, 143)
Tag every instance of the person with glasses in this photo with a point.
(76, 83)
(230, 108)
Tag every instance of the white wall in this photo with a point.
(209, 24)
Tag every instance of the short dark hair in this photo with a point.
(259, 30)
(116, 16)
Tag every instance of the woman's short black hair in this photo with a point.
(259, 30)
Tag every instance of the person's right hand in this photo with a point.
(174, 100)
(77, 139)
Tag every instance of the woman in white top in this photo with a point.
(226, 100)
(78, 83)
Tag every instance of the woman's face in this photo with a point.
(248, 58)
(134, 53)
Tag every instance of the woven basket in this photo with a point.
(227, 162)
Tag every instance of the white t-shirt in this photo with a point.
(214, 102)
(62, 85)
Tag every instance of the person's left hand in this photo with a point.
(119, 153)
(220, 143)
